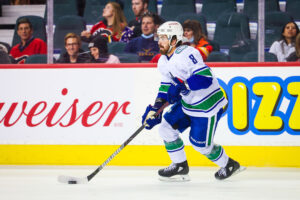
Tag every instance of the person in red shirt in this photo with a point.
(114, 26)
(28, 45)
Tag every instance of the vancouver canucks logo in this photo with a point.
(180, 49)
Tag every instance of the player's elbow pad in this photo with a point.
(197, 82)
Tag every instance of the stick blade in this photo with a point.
(72, 180)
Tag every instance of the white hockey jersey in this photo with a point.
(185, 62)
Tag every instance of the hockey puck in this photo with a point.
(72, 182)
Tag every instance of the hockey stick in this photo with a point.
(75, 180)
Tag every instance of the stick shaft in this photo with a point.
(89, 177)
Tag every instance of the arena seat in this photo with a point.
(36, 59)
(293, 8)
(172, 8)
(116, 47)
(152, 7)
(253, 57)
(67, 24)
(251, 8)
(274, 22)
(93, 11)
(200, 18)
(128, 57)
(212, 9)
(217, 56)
(215, 45)
(240, 49)
(62, 8)
(230, 28)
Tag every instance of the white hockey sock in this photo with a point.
(218, 156)
(175, 150)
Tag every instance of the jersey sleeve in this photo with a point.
(164, 85)
(199, 75)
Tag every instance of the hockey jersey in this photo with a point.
(101, 29)
(33, 46)
(145, 48)
(183, 63)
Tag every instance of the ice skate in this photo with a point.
(232, 167)
(175, 172)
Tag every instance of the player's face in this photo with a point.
(108, 11)
(137, 7)
(72, 46)
(290, 30)
(95, 52)
(24, 31)
(188, 33)
(163, 44)
(148, 26)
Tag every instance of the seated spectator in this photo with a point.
(20, 2)
(286, 44)
(5, 47)
(192, 31)
(139, 8)
(4, 57)
(74, 52)
(295, 56)
(194, 36)
(29, 45)
(99, 51)
(114, 25)
(144, 45)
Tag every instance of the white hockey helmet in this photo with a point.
(170, 29)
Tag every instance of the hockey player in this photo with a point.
(198, 101)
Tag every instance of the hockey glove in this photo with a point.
(149, 120)
(175, 89)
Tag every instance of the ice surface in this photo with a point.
(124, 183)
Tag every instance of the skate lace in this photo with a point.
(222, 171)
(170, 168)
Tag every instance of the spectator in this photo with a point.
(286, 44)
(74, 52)
(114, 25)
(20, 2)
(295, 56)
(28, 45)
(196, 38)
(4, 58)
(99, 51)
(144, 45)
(139, 7)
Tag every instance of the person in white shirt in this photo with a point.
(286, 44)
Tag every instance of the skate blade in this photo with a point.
(242, 168)
(176, 178)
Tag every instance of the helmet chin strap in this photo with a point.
(171, 47)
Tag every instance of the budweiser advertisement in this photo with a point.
(103, 105)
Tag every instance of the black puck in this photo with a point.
(72, 182)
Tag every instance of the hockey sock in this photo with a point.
(218, 156)
(175, 150)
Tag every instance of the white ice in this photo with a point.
(131, 183)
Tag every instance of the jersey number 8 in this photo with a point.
(193, 58)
